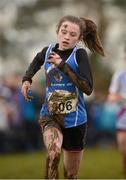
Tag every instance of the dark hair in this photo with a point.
(88, 31)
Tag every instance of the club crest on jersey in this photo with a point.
(57, 76)
(54, 73)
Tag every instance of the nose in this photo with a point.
(67, 37)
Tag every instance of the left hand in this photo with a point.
(54, 58)
(26, 86)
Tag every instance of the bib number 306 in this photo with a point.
(65, 106)
(62, 102)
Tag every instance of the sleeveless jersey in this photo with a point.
(62, 96)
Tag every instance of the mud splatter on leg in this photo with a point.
(53, 141)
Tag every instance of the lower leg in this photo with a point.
(53, 142)
(53, 166)
(124, 165)
(69, 176)
(121, 141)
(71, 164)
(46, 168)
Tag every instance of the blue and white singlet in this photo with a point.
(62, 96)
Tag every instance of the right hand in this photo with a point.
(26, 86)
(114, 97)
(54, 58)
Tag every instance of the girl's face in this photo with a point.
(68, 35)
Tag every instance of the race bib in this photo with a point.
(62, 102)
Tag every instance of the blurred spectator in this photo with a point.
(5, 94)
(30, 124)
(117, 94)
(95, 110)
(102, 117)
(18, 120)
(4, 126)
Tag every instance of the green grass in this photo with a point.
(96, 164)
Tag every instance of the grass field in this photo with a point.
(96, 164)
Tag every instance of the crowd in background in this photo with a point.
(19, 128)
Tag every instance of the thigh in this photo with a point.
(72, 160)
(74, 138)
(52, 136)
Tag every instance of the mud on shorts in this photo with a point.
(74, 138)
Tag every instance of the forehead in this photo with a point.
(70, 26)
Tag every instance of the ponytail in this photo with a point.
(91, 37)
(88, 30)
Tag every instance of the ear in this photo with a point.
(80, 38)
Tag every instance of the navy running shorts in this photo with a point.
(74, 138)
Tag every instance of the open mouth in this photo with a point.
(65, 43)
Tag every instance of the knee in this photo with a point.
(70, 174)
(122, 148)
(54, 154)
(54, 157)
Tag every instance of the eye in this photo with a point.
(73, 34)
(63, 31)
